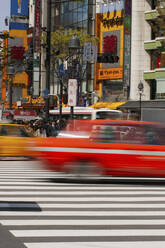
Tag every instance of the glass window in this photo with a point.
(74, 5)
(75, 16)
(79, 12)
(108, 115)
(71, 5)
(85, 12)
(84, 25)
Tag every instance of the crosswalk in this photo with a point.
(42, 213)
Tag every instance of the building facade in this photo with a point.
(18, 45)
(155, 48)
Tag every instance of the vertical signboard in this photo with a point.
(110, 31)
(37, 33)
(19, 7)
(72, 92)
(127, 43)
(37, 25)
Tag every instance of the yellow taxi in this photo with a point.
(14, 140)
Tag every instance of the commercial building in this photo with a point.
(155, 47)
(130, 48)
(18, 27)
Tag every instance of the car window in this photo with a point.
(13, 131)
(108, 115)
(122, 134)
(155, 135)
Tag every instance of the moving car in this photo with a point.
(13, 140)
(109, 147)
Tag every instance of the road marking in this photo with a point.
(100, 205)
(144, 244)
(79, 222)
(60, 186)
(83, 199)
(84, 213)
(85, 194)
(88, 233)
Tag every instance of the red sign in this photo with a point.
(110, 44)
(37, 25)
(19, 112)
(17, 52)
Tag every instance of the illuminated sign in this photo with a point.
(19, 7)
(112, 73)
(110, 31)
(110, 44)
(115, 21)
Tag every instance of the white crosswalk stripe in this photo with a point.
(41, 213)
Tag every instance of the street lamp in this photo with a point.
(10, 73)
(74, 49)
(140, 88)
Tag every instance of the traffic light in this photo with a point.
(107, 58)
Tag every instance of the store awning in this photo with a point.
(110, 105)
(133, 105)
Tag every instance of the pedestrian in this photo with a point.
(54, 130)
(47, 128)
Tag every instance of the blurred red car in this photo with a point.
(106, 147)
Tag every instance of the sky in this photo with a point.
(4, 12)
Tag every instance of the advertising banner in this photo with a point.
(19, 8)
(112, 73)
(110, 31)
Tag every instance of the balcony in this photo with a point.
(154, 44)
(151, 15)
(154, 74)
(161, 7)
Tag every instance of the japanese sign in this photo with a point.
(72, 92)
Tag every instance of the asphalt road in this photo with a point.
(42, 209)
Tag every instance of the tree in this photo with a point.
(60, 39)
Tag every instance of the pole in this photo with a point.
(72, 112)
(48, 50)
(10, 92)
(140, 104)
(60, 102)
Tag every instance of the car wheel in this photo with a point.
(84, 169)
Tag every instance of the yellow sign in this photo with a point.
(110, 26)
(110, 73)
(39, 100)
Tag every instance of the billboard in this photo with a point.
(110, 31)
(19, 8)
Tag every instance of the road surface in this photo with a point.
(38, 209)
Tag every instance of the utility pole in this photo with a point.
(48, 50)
